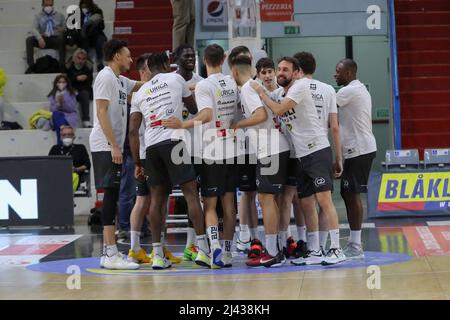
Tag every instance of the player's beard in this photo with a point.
(284, 82)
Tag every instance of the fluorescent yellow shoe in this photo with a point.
(139, 256)
(168, 255)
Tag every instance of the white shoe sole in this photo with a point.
(128, 267)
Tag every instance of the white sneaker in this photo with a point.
(311, 257)
(203, 259)
(102, 261)
(119, 262)
(160, 263)
(242, 246)
(353, 251)
(334, 255)
(227, 259)
(216, 258)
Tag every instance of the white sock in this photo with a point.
(334, 236)
(283, 239)
(244, 233)
(355, 237)
(190, 237)
(289, 234)
(111, 250)
(313, 241)
(323, 238)
(135, 241)
(254, 233)
(227, 245)
(301, 233)
(163, 238)
(271, 244)
(213, 235)
(203, 243)
(157, 248)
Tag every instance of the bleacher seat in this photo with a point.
(436, 158)
(401, 160)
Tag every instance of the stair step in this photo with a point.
(144, 13)
(419, 97)
(136, 39)
(424, 57)
(426, 126)
(424, 83)
(422, 5)
(425, 140)
(424, 70)
(421, 18)
(145, 3)
(131, 26)
(423, 44)
(425, 111)
(426, 31)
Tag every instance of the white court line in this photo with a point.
(438, 223)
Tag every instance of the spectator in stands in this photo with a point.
(2, 85)
(79, 71)
(92, 26)
(63, 104)
(183, 22)
(78, 152)
(48, 33)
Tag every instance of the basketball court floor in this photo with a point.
(405, 259)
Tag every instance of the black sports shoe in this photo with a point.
(269, 261)
(301, 250)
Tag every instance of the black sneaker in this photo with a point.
(301, 250)
(269, 261)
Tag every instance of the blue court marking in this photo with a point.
(90, 266)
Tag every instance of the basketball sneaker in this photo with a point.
(169, 255)
(256, 249)
(118, 262)
(243, 246)
(301, 249)
(353, 251)
(190, 253)
(102, 261)
(138, 256)
(311, 257)
(269, 261)
(227, 259)
(291, 247)
(203, 259)
(333, 256)
(216, 259)
(160, 263)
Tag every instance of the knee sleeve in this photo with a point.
(109, 206)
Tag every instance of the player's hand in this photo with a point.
(172, 122)
(60, 99)
(234, 126)
(139, 173)
(41, 43)
(82, 77)
(338, 168)
(116, 155)
(257, 87)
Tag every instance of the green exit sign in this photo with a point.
(291, 29)
(382, 112)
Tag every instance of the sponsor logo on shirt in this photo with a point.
(224, 93)
(312, 86)
(156, 89)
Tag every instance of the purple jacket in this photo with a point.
(69, 108)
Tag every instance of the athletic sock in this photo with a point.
(227, 245)
(190, 237)
(244, 233)
(135, 240)
(271, 244)
(323, 238)
(163, 238)
(203, 243)
(111, 250)
(157, 249)
(355, 237)
(254, 233)
(213, 235)
(313, 241)
(301, 233)
(283, 239)
(334, 236)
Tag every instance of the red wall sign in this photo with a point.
(277, 10)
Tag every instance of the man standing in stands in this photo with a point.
(48, 33)
(359, 148)
(107, 140)
(183, 22)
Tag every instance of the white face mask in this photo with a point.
(48, 9)
(61, 86)
(67, 142)
(85, 10)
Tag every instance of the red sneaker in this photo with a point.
(256, 262)
(291, 246)
(256, 249)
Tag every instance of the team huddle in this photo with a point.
(263, 130)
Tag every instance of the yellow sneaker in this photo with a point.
(139, 256)
(168, 254)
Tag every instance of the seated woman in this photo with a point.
(63, 104)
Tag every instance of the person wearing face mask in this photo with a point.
(63, 104)
(78, 152)
(91, 33)
(79, 71)
(48, 32)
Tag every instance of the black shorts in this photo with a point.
(272, 183)
(142, 189)
(315, 173)
(247, 175)
(106, 173)
(292, 172)
(216, 179)
(160, 168)
(356, 173)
